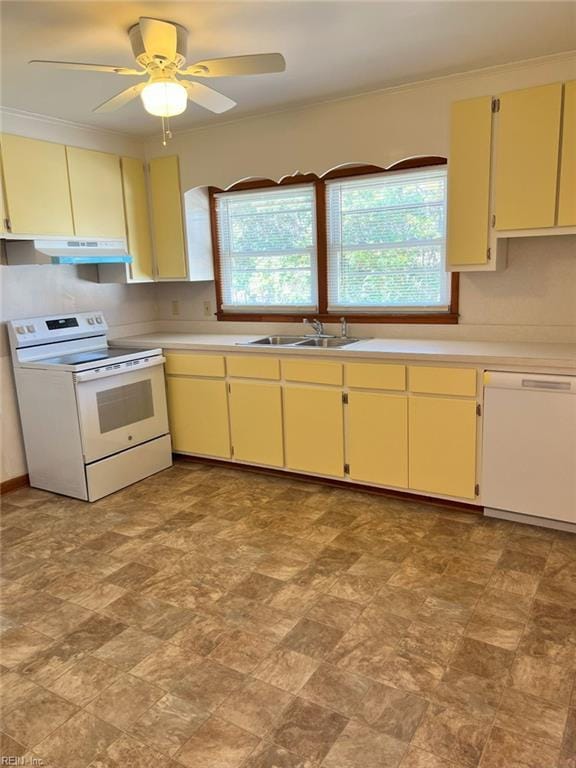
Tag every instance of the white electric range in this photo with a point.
(94, 418)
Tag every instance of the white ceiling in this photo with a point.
(331, 48)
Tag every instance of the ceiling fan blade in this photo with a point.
(256, 64)
(160, 38)
(92, 67)
(120, 99)
(207, 97)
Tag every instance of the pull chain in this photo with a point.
(166, 132)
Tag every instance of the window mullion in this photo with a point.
(321, 247)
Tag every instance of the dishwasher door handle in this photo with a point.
(558, 386)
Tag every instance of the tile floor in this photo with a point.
(214, 618)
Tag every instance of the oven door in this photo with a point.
(121, 408)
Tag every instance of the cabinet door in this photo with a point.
(198, 412)
(256, 423)
(442, 446)
(137, 219)
(469, 181)
(3, 210)
(527, 157)
(567, 192)
(314, 430)
(96, 189)
(377, 438)
(168, 229)
(36, 183)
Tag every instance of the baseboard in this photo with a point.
(405, 495)
(542, 522)
(13, 484)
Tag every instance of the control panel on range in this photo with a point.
(41, 330)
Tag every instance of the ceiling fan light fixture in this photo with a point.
(164, 97)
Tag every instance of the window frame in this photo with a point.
(449, 317)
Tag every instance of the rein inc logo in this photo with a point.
(16, 760)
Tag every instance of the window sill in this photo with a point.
(420, 318)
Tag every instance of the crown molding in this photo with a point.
(60, 122)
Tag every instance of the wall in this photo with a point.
(532, 300)
(380, 127)
(37, 290)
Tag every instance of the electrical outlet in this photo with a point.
(207, 309)
(175, 308)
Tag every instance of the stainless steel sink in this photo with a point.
(327, 343)
(322, 342)
(276, 341)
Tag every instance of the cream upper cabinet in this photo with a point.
(96, 189)
(256, 422)
(167, 219)
(567, 190)
(469, 182)
(36, 185)
(137, 219)
(314, 430)
(527, 151)
(377, 438)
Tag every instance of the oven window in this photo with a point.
(124, 405)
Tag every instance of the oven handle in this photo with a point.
(104, 373)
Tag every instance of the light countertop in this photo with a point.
(519, 355)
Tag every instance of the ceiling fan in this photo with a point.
(160, 48)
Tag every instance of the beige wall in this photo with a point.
(381, 128)
(534, 299)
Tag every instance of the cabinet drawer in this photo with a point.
(253, 367)
(195, 365)
(312, 371)
(376, 376)
(443, 381)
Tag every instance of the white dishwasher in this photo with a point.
(529, 448)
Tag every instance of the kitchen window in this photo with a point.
(387, 243)
(362, 242)
(267, 249)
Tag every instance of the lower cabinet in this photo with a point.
(314, 430)
(442, 446)
(256, 423)
(198, 413)
(420, 438)
(377, 438)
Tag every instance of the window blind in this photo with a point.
(267, 245)
(386, 242)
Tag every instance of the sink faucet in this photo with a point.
(316, 324)
(343, 327)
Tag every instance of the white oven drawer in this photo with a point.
(120, 411)
(111, 474)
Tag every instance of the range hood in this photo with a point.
(73, 251)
